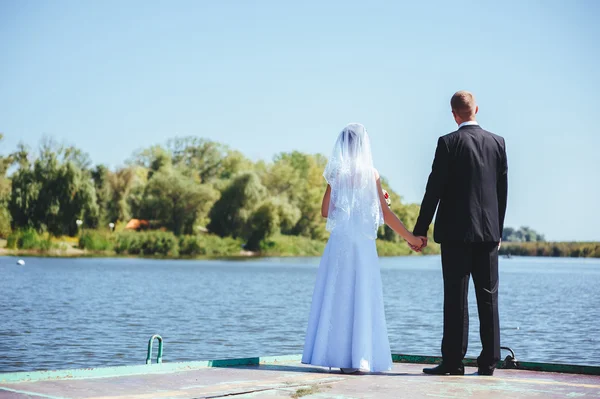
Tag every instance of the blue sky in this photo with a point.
(270, 76)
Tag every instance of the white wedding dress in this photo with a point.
(346, 326)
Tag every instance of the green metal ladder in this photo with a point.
(160, 349)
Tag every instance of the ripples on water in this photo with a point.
(71, 313)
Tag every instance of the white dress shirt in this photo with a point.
(468, 123)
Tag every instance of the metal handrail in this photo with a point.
(160, 349)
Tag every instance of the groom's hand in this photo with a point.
(420, 247)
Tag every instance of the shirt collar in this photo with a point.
(468, 123)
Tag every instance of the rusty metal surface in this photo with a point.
(295, 380)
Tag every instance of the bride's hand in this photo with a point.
(415, 242)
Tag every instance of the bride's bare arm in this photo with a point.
(392, 220)
(325, 203)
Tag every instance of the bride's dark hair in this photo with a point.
(351, 139)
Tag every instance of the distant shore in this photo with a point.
(71, 252)
(164, 244)
(540, 249)
(552, 249)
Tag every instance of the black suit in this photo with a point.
(469, 181)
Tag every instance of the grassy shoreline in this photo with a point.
(150, 246)
(552, 249)
(113, 254)
(161, 246)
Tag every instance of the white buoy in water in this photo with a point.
(21, 262)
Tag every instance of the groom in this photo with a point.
(469, 183)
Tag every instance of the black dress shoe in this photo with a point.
(485, 371)
(442, 369)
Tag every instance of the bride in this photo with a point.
(346, 326)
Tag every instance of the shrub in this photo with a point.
(283, 245)
(128, 242)
(189, 246)
(5, 219)
(209, 245)
(146, 243)
(556, 249)
(11, 240)
(29, 239)
(94, 240)
(388, 248)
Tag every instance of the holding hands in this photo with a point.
(417, 243)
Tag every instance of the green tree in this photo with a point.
(270, 218)
(230, 214)
(523, 234)
(100, 176)
(206, 159)
(54, 192)
(151, 159)
(235, 162)
(135, 197)
(121, 183)
(176, 201)
(24, 192)
(263, 223)
(508, 234)
(5, 190)
(76, 200)
(298, 177)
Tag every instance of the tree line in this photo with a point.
(528, 242)
(186, 186)
(523, 234)
(552, 249)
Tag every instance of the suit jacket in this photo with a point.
(469, 181)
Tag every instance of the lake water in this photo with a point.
(72, 313)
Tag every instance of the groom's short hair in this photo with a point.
(463, 104)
